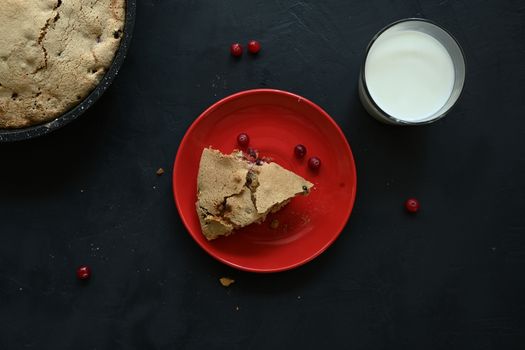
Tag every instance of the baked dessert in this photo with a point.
(234, 192)
(52, 54)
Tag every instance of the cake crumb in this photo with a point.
(225, 281)
(160, 171)
(274, 224)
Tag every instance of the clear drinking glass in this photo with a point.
(446, 40)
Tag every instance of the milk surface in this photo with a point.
(409, 74)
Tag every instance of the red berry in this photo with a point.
(236, 49)
(243, 139)
(254, 46)
(83, 273)
(300, 151)
(412, 205)
(314, 163)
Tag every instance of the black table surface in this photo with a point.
(451, 277)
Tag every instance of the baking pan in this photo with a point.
(9, 135)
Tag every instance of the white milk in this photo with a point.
(409, 74)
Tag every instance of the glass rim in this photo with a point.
(363, 75)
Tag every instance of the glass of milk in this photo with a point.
(413, 73)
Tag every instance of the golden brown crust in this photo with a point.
(240, 209)
(234, 193)
(220, 176)
(52, 54)
(276, 186)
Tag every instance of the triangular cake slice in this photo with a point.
(233, 192)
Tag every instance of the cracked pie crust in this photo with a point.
(53, 53)
(233, 192)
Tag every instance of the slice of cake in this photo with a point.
(233, 192)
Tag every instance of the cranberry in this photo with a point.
(314, 163)
(83, 273)
(236, 50)
(254, 47)
(243, 139)
(300, 151)
(412, 205)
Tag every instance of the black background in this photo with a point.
(452, 277)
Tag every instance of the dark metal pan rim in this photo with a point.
(10, 135)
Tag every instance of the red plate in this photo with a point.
(275, 121)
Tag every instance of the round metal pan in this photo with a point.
(9, 135)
